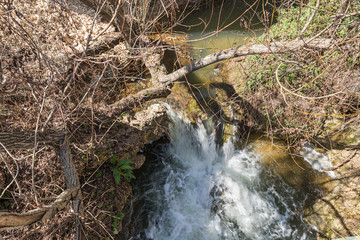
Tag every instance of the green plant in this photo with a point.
(122, 169)
(115, 222)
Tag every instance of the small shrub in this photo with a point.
(122, 169)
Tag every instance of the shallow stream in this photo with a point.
(192, 188)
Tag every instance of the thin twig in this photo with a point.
(111, 21)
(14, 176)
(343, 163)
(310, 19)
(100, 223)
(298, 95)
(35, 146)
(87, 92)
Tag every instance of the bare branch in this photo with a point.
(262, 48)
(165, 81)
(310, 19)
(10, 220)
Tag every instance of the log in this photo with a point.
(104, 43)
(250, 49)
(25, 140)
(165, 81)
(141, 97)
(72, 182)
(71, 177)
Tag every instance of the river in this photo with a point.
(192, 188)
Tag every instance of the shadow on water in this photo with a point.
(138, 208)
(206, 97)
(252, 115)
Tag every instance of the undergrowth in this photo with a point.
(299, 93)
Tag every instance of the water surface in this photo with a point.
(196, 189)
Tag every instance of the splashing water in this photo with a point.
(200, 190)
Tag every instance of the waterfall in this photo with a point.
(198, 190)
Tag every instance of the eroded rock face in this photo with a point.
(126, 138)
(152, 124)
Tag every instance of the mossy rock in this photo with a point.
(182, 101)
(293, 169)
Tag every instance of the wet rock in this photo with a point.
(183, 102)
(292, 168)
(144, 127)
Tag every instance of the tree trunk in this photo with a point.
(25, 140)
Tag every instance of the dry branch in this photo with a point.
(105, 42)
(262, 48)
(71, 176)
(162, 90)
(141, 97)
(8, 220)
(60, 141)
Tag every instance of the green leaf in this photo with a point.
(126, 167)
(117, 179)
(126, 162)
(117, 175)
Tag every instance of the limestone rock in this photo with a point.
(337, 214)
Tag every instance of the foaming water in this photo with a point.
(200, 190)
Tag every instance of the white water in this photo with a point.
(318, 161)
(199, 190)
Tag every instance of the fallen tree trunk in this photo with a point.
(261, 48)
(25, 140)
(72, 182)
(141, 97)
(164, 81)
